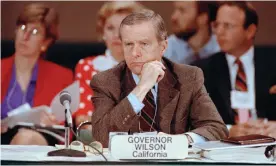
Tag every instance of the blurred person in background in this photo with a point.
(241, 68)
(27, 78)
(109, 19)
(192, 38)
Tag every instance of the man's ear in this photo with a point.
(164, 46)
(251, 31)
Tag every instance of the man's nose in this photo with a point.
(174, 17)
(136, 52)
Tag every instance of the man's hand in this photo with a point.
(48, 118)
(259, 126)
(270, 129)
(152, 72)
(251, 127)
(272, 90)
(238, 130)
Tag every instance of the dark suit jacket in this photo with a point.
(218, 85)
(51, 79)
(183, 103)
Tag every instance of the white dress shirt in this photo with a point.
(138, 106)
(247, 60)
(179, 50)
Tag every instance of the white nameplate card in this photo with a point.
(149, 147)
(241, 100)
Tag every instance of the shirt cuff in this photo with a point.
(228, 127)
(196, 138)
(135, 103)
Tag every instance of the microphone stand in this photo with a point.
(67, 152)
(67, 132)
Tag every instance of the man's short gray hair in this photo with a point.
(144, 16)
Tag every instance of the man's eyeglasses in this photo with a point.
(224, 25)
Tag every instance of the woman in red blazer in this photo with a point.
(27, 78)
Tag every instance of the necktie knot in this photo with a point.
(238, 62)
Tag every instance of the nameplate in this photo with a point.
(149, 147)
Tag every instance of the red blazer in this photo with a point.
(51, 79)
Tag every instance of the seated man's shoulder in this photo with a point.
(186, 72)
(208, 62)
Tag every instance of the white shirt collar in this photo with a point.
(247, 57)
(104, 62)
(109, 56)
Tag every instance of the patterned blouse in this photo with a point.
(85, 70)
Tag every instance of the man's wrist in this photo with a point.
(140, 92)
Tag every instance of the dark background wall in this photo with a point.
(77, 19)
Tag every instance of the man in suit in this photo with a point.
(241, 68)
(150, 93)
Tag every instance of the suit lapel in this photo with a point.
(168, 94)
(224, 83)
(260, 81)
(127, 83)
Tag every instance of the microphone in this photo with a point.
(65, 100)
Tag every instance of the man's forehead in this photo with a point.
(231, 13)
(146, 28)
(140, 24)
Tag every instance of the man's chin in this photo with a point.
(136, 70)
(225, 48)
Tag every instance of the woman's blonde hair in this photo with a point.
(115, 7)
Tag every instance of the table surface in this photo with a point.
(27, 155)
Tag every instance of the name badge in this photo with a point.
(149, 147)
(241, 100)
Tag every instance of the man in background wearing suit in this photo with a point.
(241, 68)
(150, 93)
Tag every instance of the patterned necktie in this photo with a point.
(147, 122)
(240, 85)
(241, 77)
